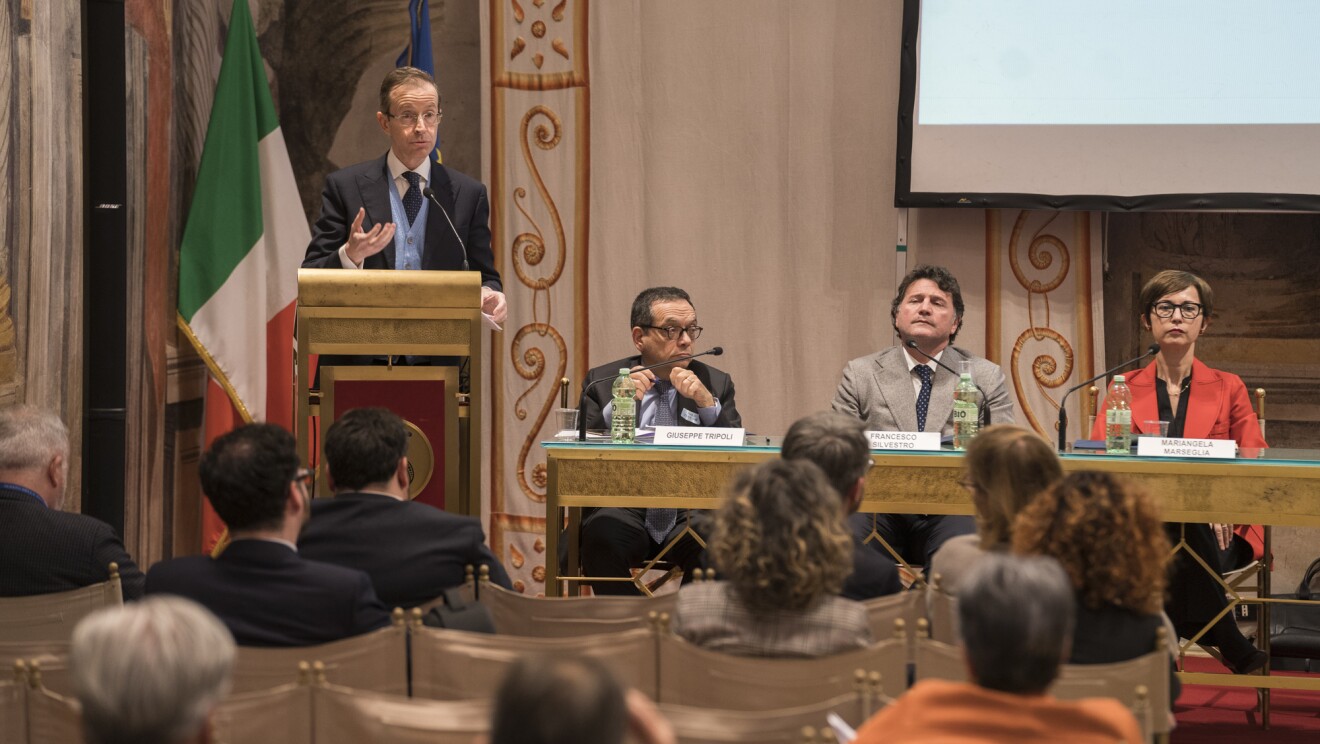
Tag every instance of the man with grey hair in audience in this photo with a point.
(151, 672)
(1016, 619)
(43, 549)
(837, 445)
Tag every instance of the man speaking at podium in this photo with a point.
(404, 210)
(903, 389)
(685, 393)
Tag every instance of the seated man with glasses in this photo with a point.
(259, 587)
(684, 393)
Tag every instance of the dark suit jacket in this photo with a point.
(878, 390)
(1219, 406)
(873, 574)
(366, 185)
(718, 383)
(1112, 634)
(412, 551)
(44, 550)
(268, 595)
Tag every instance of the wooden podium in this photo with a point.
(384, 313)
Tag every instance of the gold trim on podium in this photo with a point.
(381, 313)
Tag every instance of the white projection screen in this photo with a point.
(1110, 104)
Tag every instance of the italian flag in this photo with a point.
(242, 246)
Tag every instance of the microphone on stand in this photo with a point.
(582, 400)
(1063, 411)
(984, 416)
(429, 194)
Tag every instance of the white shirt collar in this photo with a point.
(912, 363)
(397, 168)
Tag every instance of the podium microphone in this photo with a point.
(582, 399)
(429, 194)
(1063, 411)
(984, 416)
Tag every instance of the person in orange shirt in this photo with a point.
(1016, 618)
(1198, 402)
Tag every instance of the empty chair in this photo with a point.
(282, 715)
(457, 665)
(1142, 684)
(516, 614)
(345, 716)
(51, 617)
(703, 725)
(376, 661)
(881, 612)
(694, 676)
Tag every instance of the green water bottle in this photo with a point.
(623, 413)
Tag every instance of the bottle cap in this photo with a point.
(1119, 378)
(624, 371)
(964, 375)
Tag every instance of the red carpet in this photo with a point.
(1210, 715)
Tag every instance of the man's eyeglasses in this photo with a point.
(671, 332)
(1189, 310)
(410, 119)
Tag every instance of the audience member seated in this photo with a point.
(260, 587)
(151, 672)
(43, 549)
(1107, 535)
(570, 701)
(412, 551)
(837, 445)
(782, 547)
(1015, 615)
(1007, 467)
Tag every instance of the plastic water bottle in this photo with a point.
(966, 414)
(623, 411)
(1118, 417)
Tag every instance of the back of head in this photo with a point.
(30, 437)
(150, 672)
(1106, 533)
(780, 538)
(559, 701)
(1007, 467)
(363, 447)
(246, 475)
(836, 443)
(1016, 615)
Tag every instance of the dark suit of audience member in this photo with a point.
(268, 595)
(412, 551)
(681, 392)
(260, 587)
(42, 549)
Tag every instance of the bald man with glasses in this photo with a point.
(685, 392)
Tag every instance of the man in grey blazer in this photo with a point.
(900, 390)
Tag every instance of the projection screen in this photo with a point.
(1110, 104)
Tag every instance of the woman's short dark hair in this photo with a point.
(1171, 281)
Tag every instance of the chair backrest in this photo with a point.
(562, 617)
(344, 716)
(942, 616)
(937, 660)
(282, 715)
(13, 710)
(456, 665)
(45, 664)
(51, 617)
(1122, 680)
(703, 725)
(893, 615)
(694, 676)
(52, 717)
(376, 661)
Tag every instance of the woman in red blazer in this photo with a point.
(1199, 403)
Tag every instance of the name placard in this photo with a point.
(917, 441)
(699, 436)
(1223, 449)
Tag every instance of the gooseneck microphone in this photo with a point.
(429, 194)
(983, 418)
(582, 399)
(1063, 410)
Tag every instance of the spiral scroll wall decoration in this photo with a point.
(1043, 252)
(530, 365)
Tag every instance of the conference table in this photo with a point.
(1261, 486)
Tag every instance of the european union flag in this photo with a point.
(418, 52)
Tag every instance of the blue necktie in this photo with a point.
(412, 198)
(923, 398)
(660, 521)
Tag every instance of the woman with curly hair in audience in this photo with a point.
(782, 552)
(1007, 467)
(1107, 534)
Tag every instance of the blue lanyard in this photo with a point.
(25, 491)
